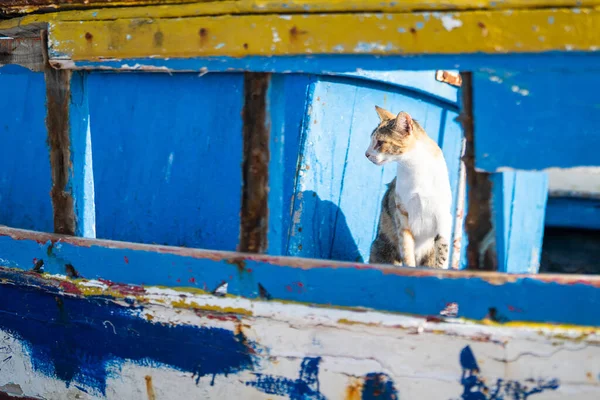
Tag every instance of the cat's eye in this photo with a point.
(379, 143)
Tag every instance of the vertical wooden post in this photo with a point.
(276, 237)
(69, 140)
(519, 207)
(255, 173)
(478, 225)
(506, 210)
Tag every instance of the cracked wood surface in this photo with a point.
(331, 353)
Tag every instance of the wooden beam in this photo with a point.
(106, 9)
(481, 248)
(515, 297)
(445, 33)
(69, 139)
(255, 173)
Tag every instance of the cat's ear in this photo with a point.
(403, 122)
(384, 115)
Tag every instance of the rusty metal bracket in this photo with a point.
(451, 78)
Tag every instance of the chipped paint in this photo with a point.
(263, 35)
(450, 22)
(329, 352)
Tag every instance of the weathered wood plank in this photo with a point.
(514, 297)
(58, 84)
(24, 159)
(69, 140)
(481, 251)
(243, 36)
(519, 208)
(255, 165)
(176, 344)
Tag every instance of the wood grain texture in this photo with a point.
(481, 252)
(519, 208)
(58, 96)
(255, 165)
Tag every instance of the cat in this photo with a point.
(416, 217)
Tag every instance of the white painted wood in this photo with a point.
(577, 182)
(421, 357)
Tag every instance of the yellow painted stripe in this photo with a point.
(183, 8)
(265, 35)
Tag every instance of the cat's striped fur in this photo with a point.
(416, 220)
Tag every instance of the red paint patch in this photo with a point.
(126, 259)
(192, 280)
(34, 260)
(124, 288)
(178, 280)
(514, 309)
(219, 317)
(249, 269)
(288, 288)
(69, 287)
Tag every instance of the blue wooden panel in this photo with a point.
(573, 212)
(320, 63)
(339, 217)
(288, 104)
(321, 169)
(519, 204)
(84, 338)
(423, 82)
(167, 151)
(25, 179)
(518, 298)
(81, 183)
(536, 120)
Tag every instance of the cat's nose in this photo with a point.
(367, 154)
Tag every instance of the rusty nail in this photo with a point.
(88, 36)
(202, 32)
(413, 30)
(246, 46)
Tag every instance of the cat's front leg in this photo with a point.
(407, 248)
(442, 251)
(406, 240)
(442, 241)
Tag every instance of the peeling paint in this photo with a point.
(450, 22)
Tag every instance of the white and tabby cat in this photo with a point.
(416, 218)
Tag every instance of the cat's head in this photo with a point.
(394, 136)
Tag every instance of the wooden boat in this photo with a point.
(187, 211)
